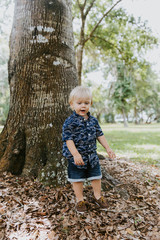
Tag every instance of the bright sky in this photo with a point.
(148, 10)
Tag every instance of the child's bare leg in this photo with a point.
(78, 190)
(96, 185)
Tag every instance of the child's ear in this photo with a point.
(71, 106)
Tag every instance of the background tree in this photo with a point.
(121, 39)
(123, 92)
(146, 89)
(99, 101)
(41, 74)
(4, 90)
(5, 20)
(103, 30)
(83, 10)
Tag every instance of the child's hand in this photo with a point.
(111, 154)
(78, 159)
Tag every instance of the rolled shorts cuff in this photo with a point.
(94, 178)
(83, 179)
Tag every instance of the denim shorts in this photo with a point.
(80, 175)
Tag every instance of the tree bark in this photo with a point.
(79, 57)
(42, 72)
(135, 116)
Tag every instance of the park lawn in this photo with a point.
(137, 142)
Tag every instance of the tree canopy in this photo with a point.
(110, 38)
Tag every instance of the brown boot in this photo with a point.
(81, 207)
(101, 202)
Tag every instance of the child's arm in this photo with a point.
(73, 150)
(104, 143)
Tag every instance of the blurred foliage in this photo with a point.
(118, 47)
(6, 15)
(119, 36)
(4, 88)
(123, 91)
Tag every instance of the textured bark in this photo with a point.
(41, 74)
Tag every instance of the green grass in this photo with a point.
(137, 142)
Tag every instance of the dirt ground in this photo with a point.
(30, 211)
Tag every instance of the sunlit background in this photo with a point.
(148, 11)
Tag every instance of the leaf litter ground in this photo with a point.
(30, 211)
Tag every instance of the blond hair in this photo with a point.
(80, 92)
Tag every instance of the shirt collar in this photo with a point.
(80, 117)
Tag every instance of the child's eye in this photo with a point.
(86, 103)
(79, 103)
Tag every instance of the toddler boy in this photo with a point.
(79, 135)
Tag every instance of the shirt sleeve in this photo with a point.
(99, 131)
(67, 131)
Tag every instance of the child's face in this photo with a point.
(81, 106)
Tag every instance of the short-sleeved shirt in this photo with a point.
(84, 134)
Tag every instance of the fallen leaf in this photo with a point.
(51, 235)
(128, 230)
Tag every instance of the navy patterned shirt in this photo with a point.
(84, 134)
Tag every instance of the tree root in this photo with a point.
(108, 182)
(12, 152)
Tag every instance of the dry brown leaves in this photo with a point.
(30, 211)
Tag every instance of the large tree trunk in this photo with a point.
(41, 74)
